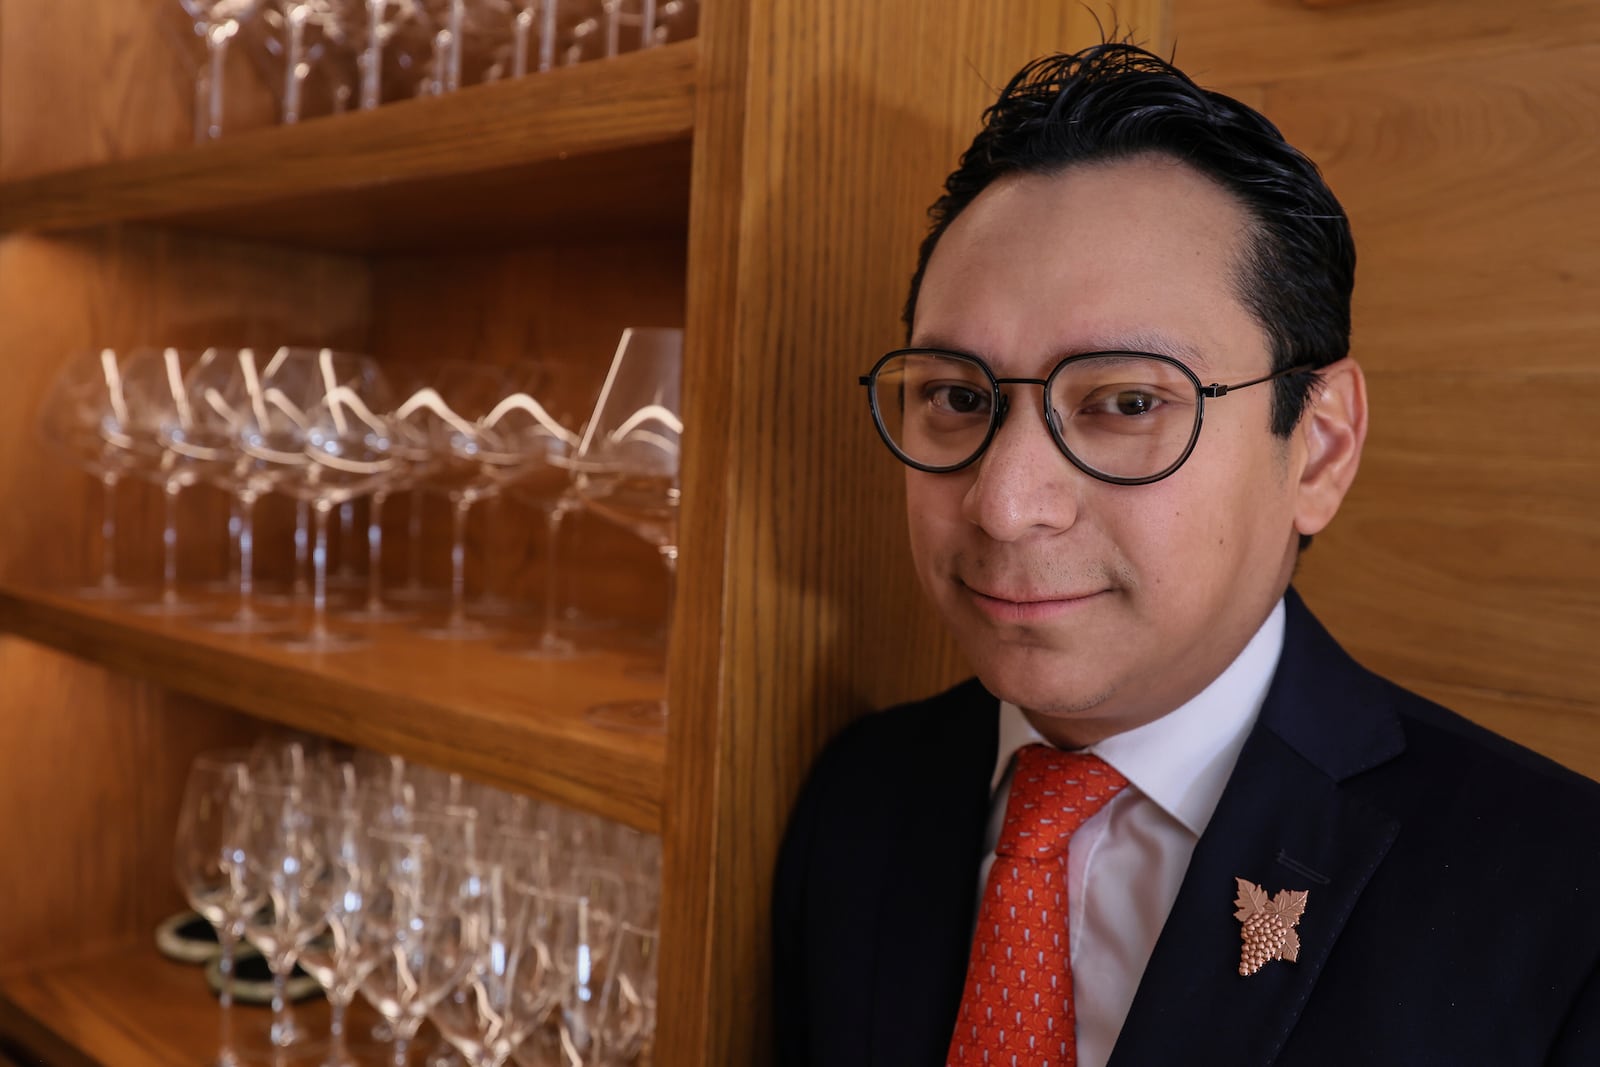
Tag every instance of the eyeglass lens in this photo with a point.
(1123, 415)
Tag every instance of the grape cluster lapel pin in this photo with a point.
(1268, 932)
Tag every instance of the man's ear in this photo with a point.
(1332, 431)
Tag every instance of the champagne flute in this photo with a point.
(209, 861)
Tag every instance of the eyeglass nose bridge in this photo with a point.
(1003, 405)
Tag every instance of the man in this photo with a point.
(1170, 822)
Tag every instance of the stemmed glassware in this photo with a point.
(626, 465)
(230, 399)
(529, 450)
(220, 21)
(337, 446)
(413, 930)
(577, 931)
(170, 452)
(209, 861)
(284, 867)
(450, 416)
(86, 417)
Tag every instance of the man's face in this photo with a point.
(1099, 607)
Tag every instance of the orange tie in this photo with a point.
(1016, 1009)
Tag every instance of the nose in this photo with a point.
(1024, 486)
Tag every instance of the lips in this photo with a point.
(1029, 606)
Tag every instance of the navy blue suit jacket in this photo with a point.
(1454, 879)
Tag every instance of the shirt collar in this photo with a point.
(1182, 760)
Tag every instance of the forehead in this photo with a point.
(1137, 254)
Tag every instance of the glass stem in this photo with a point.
(458, 565)
(372, 58)
(375, 551)
(414, 549)
(339, 1055)
(547, 34)
(294, 48)
(247, 554)
(228, 937)
(521, 30)
(108, 531)
(169, 545)
(282, 1025)
(319, 569)
(302, 545)
(402, 1046)
(458, 11)
(552, 573)
(217, 38)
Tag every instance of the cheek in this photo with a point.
(933, 512)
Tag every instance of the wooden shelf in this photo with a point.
(131, 1007)
(598, 148)
(464, 706)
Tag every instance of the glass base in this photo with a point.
(630, 716)
(456, 630)
(243, 622)
(173, 608)
(548, 647)
(379, 612)
(495, 607)
(321, 641)
(104, 590)
(415, 594)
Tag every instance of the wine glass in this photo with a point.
(627, 1013)
(334, 958)
(490, 1011)
(337, 445)
(421, 898)
(220, 21)
(450, 416)
(284, 866)
(576, 930)
(626, 466)
(527, 450)
(86, 418)
(209, 861)
(230, 399)
(162, 426)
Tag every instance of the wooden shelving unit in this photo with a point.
(465, 706)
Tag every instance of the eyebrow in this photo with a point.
(1160, 344)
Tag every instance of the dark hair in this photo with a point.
(1117, 101)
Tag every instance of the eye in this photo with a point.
(1132, 402)
(956, 399)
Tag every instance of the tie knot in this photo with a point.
(1052, 794)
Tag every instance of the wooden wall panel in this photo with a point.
(1464, 140)
(91, 809)
(134, 95)
(825, 130)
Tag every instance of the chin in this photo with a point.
(1042, 680)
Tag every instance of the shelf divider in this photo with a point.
(460, 706)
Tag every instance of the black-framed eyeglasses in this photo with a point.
(1129, 418)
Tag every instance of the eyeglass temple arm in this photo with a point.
(1215, 389)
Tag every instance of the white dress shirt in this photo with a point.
(1124, 865)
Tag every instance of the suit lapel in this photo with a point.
(1283, 822)
(929, 891)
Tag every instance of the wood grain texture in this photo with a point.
(464, 706)
(595, 146)
(823, 132)
(1229, 43)
(127, 1006)
(90, 797)
(1462, 139)
(85, 82)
